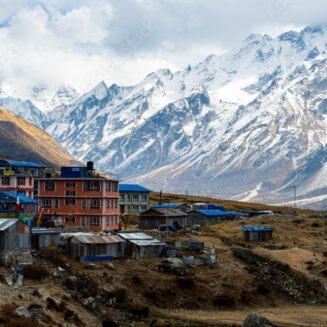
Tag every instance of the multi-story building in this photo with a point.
(133, 198)
(17, 205)
(80, 196)
(18, 176)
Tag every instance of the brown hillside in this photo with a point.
(24, 141)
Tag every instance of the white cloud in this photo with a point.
(81, 42)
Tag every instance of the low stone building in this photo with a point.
(155, 217)
(202, 217)
(140, 245)
(88, 247)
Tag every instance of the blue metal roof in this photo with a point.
(6, 196)
(257, 228)
(167, 206)
(21, 163)
(215, 213)
(132, 188)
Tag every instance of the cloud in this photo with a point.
(80, 42)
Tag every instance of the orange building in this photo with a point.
(80, 197)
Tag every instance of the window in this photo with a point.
(92, 186)
(49, 185)
(107, 203)
(114, 187)
(143, 207)
(70, 201)
(115, 201)
(144, 197)
(95, 204)
(108, 221)
(135, 197)
(57, 203)
(46, 203)
(94, 221)
(70, 220)
(83, 221)
(30, 181)
(107, 186)
(70, 193)
(134, 208)
(20, 180)
(84, 203)
(70, 184)
(5, 180)
(122, 197)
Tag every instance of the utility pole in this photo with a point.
(294, 197)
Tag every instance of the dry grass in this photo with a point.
(287, 316)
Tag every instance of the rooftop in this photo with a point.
(167, 212)
(135, 236)
(168, 205)
(7, 222)
(97, 239)
(133, 188)
(215, 213)
(257, 228)
(7, 196)
(15, 163)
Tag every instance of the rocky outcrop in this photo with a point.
(256, 320)
(294, 285)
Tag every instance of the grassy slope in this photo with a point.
(21, 140)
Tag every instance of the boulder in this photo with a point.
(256, 320)
(22, 312)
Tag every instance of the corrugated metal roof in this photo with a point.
(257, 228)
(5, 223)
(98, 239)
(216, 213)
(7, 196)
(132, 188)
(44, 230)
(135, 236)
(169, 205)
(166, 212)
(152, 242)
(21, 163)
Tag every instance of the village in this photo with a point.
(92, 235)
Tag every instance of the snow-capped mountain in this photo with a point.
(46, 100)
(249, 124)
(23, 108)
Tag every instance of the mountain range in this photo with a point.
(249, 124)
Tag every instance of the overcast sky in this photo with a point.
(81, 42)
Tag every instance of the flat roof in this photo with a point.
(216, 212)
(133, 188)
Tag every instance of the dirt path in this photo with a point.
(287, 316)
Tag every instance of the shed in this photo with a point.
(95, 247)
(184, 207)
(154, 217)
(14, 235)
(203, 217)
(140, 245)
(256, 233)
(45, 237)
